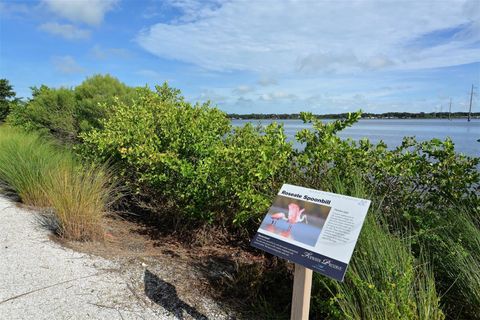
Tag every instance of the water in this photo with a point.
(464, 134)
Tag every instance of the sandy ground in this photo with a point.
(40, 279)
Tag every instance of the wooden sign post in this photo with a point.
(302, 287)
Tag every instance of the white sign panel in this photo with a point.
(313, 228)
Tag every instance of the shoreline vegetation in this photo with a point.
(187, 173)
(365, 116)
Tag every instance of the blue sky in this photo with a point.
(266, 56)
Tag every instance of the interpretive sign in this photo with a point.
(312, 228)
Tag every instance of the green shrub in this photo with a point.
(95, 98)
(48, 112)
(160, 144)
(171, 150)
(247, 171)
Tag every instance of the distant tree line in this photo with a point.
(386, 115)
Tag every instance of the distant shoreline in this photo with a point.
(388, 115)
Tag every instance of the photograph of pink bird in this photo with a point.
(295, 215)
(278, 216)
(295, 219)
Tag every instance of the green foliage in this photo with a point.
(454, 244)
(7, 98)
(321, 147)
(384, 280)
(24, 161)
(161, 143)
(171, 150)
(64, 113)
(248, 170)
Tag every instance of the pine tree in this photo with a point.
(7, 97)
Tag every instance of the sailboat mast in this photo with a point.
(450, 110)
(470, 110)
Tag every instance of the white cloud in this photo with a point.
(66, 65)
(66, 31)
(340, 62)
(102, 53)
(14, 9)
(90, 12)
(284, 37)
(211, 95)
(194, 9)
(278, 95)
(149, 73)
(243, 89)
(267, 81)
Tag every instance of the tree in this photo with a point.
(95, 97)
(7, 97)
(66, 112)
(49, 111)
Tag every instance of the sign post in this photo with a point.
(302, 287)
(314, 229)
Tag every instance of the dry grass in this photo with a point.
(80, 196)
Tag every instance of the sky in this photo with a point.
(263, 56)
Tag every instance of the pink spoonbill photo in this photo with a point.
(295, 219)
(295, 215)
(278, 216)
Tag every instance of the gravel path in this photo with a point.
(39, 279)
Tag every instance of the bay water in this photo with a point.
(465, 135)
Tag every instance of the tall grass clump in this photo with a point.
(45, 175)
(79, 196)
(384, 280)
(455, 252)
(24, 161)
